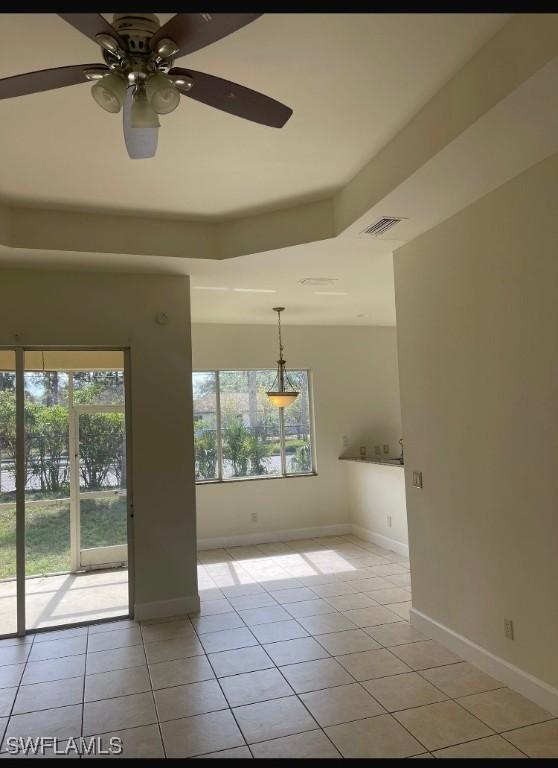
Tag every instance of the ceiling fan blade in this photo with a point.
(192, 31)
(46, 79)
(233, 98)
(141, 143)
(91, 24)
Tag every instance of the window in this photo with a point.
(99, 387)
(238, 433)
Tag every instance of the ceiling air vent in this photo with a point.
(381, 226)
(318, 281)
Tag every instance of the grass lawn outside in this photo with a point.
(47, 535)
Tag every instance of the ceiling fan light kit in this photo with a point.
(162, 94)
(140, 143)
(138, 73)
(109, 92)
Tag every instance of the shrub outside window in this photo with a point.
(239, 434)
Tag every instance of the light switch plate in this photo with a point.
(417, 479)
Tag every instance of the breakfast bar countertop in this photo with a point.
(372, 460)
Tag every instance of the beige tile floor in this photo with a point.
(297, 651)
(66, 599)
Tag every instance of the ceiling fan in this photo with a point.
(139, 75)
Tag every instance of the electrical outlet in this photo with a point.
(508, 628)
(386, 448)
(345, 441)
(363, 451)
(377, 450)
(417, 479)
(389, 521)
(254, 517)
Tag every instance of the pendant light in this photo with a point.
(282, 393)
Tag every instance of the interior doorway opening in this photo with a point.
(73, 470)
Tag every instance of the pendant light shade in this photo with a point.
(282, 399)
(282, 393)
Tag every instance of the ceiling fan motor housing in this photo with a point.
(137, 29)
(138, 60)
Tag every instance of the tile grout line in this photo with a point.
(83, 689)
(319, 726)
(451, 698)
(227, 701)
(328, 657)
(9, 718)
(159, 729)
(389, 714)
(503, 735)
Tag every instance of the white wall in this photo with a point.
(356, 393)
(116, 310)
(477, 314)
(377, 503)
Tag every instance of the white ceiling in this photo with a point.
(362, 271)
(353, 81)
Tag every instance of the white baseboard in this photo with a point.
(267, 537)
(531, 687)
(161, 609)
(380, 540)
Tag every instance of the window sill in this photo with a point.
(252, 479)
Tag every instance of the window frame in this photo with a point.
(283, 475)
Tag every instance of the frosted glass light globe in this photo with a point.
(162, 94)
(109, 92)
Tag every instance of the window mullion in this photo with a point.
(282, 441)
(218, 425)
(311, 424)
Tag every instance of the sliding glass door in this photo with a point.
(64, 512)
(101, 486)
(8, 516)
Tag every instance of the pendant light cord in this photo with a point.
(280, 340)
(280, 362)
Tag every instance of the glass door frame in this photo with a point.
(20, 475)
(75, 491)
